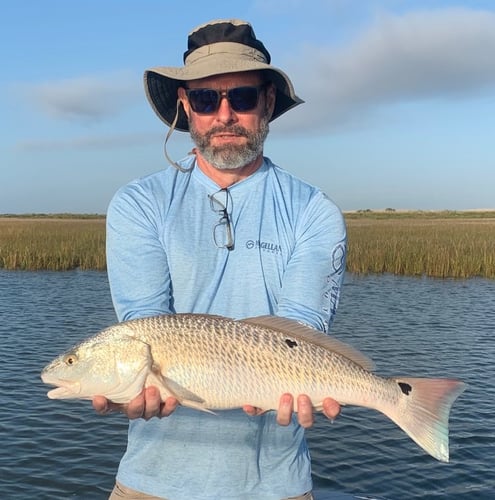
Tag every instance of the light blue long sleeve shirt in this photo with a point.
(288, 259)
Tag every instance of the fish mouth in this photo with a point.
(64, 389)
(63, 393)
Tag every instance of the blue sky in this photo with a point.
(399, 112)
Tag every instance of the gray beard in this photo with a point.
(231, 157)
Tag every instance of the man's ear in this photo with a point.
(271, 96)
(182, 96)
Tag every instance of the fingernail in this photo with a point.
(286, 400)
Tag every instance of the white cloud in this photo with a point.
(436, 54)
(85, 99)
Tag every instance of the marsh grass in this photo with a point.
(436, 244)
(57, 244)
(422, 245)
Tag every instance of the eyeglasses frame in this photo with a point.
(225, 219)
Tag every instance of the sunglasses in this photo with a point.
(207, 101)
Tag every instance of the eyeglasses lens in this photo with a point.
(223, 234)
(208, 100)
(243, 98)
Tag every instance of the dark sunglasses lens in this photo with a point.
(243, 98)
(203, 100)
(207, 100)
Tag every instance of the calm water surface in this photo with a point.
(409, 326)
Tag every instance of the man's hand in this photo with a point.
(146, 405)
(305, 417)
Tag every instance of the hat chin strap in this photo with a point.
(170, 132)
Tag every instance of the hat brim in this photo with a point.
(161, 84)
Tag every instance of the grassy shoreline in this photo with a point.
(446, 244)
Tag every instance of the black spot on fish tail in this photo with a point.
(291, 343)
(405, 388)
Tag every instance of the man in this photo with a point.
(225, 232)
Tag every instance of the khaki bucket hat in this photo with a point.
(215, 48)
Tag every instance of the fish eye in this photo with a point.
(70, 359)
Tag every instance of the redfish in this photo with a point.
(214, 363)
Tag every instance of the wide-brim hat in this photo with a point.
(215, 48)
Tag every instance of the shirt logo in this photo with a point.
(264, 246)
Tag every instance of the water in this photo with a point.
(409, 326)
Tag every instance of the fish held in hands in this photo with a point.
(214, 363)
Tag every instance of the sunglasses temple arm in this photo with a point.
(171, 130)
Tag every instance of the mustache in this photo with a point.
(232, 129)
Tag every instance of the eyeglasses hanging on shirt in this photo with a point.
(223, 230)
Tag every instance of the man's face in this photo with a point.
(226, 138)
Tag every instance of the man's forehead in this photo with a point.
(228, 80)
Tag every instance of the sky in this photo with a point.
(399, 98)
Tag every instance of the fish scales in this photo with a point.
(256, 363)
(214, 363)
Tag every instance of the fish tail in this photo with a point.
(423, 412)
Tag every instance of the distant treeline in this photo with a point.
(391, 213)
(445, 244)
(52, 216)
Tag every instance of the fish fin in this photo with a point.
(196, 406)
(295, 329)
(185, 396)
(423, 412)
(181, 392)
(169, 387)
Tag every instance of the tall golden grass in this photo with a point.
(451, 244)
(443, 245)
(57, 244)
